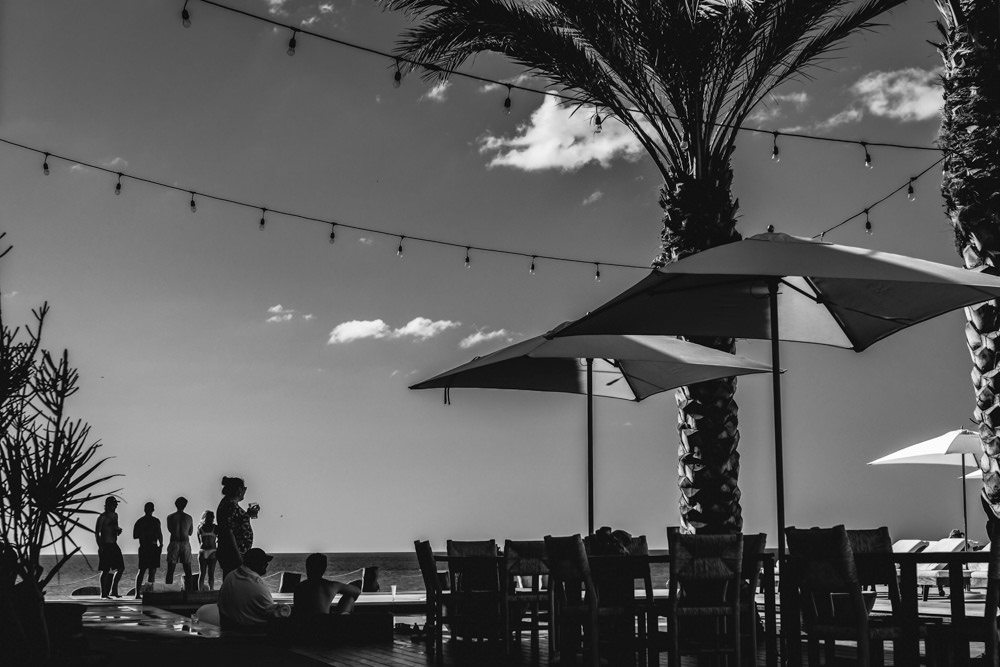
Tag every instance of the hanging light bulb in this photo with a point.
(194, 207)
(775, 153)
(292, 44)
(45, 164)
(868, 224)
(468, 261)
(531, 269)
(598, 123)
(910, 194)
(397, 77)
(399, 250)
(185, 16)
(263, 219)
(597, 273)
(868, 157)
(333, 234)
(507, 102)
(118, 185)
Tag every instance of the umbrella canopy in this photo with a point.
(952, 448)
(819, 293)
(625, 367)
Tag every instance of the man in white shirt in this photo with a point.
(244, 600)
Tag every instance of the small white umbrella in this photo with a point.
(947, 449)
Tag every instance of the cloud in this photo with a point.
(279, 309)
(9, 295)
(419, 327)
(276, 7)
(851, 115)
(308, 316)
(309, 21)
(911, 94)
(516, 81)
(593, 197)
(771, 107)
(556, 138)
(438, 92)
(326, 8)
(284, 317)
(280, 314)
(483, 337)
(116, 163)
(364, 240)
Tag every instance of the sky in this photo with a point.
(207, 347)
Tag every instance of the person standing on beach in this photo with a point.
(110, 561)
(180, 525)
(147, 530)
(207, 546)
(234, 529)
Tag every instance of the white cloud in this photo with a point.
(276, 6)
(345, 332)
(309, 21)
(771, 107)
(483, 337)
(438, 92)
(280, 314)
(116, 163)
(9, 295)
(279, 309)
(556, 138)
(423, 328)
(308, 316)
(419, 327)
(908, 94)
(851, 115)
(364, 240)
(593, 197)
(78, 168)
(284, 317)
(326, 8)
(516, 81)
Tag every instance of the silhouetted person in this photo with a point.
(180, 525)
(147, 530)
(110, 561)
(234, 529)
(314, 595)
(245, 603)
(207, 545)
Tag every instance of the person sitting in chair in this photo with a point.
(245, 603)
(314, 595)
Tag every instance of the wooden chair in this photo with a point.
(436, 596)
(579, 606)
(474, 610)
(979, 629)
(705, 582)
(753, 546)
(524, 561)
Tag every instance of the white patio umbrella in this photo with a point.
(952, 448)
(818, 292)
(625, 367)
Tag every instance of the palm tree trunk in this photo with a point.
(699, 213)
(970, 133)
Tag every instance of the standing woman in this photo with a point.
(207, 546)
(234, 531)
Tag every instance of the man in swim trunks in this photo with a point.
(147, 530)
(180, 525)
(110, 561)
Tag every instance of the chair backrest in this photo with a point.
(909, 546)
(754, 545)
(705, 569)
(878, 567)
(428, 568)
(821, 564)
(480, 571)
(472, 547)
(288, 581)
(947, 545)
(569, 569)
(525, 557)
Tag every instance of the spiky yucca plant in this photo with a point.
(970, 135)
(681, 75)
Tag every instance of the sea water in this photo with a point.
(394, 568)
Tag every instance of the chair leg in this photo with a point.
(876, 652)
(813, 651)
(927, 590)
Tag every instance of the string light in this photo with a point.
(397, 77)
(868, 156)
(597, 273)
(910, 194)
(598, 122)
(194, 207)
(118, 185)
(263, 219)
(868, 224)
(507, 102)
(775, 153)
(292, 43)
(186, 15)
(333, 233)
(399, 250)
(45, 164)
(468, 262)
(531, 269)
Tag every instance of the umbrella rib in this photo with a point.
(827, 302)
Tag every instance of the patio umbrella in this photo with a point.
(819, 293)
(948, 449)
(625, 367)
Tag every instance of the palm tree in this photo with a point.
(970, 136)
(681, 75)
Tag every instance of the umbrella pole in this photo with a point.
(779, 473)
(965, 508)
(590, 446)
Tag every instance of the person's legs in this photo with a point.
(152, 574)
(170, 572)
(138, 582)
(106, 583)
(114, 582)
(211, 573)
(202, 572)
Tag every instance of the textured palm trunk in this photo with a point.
(970, 134)
(699, 214)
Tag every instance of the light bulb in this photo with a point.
(185, 18)
(291, 45)
(868, 228)
(397, 78)
(333, 235)
(531, 269)
(45, 165)
(598, 122)
(399, 250)
(468, 262)
(775, 153)
(868, 157)
(507, 102)
(118, 185)
(263, 219)
(597, 274)
(194, 207)
(910, 194)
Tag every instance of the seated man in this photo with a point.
(314, 595)
(245, 603)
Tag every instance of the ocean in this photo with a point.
(399, 568)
